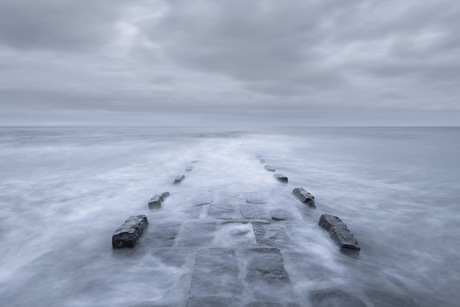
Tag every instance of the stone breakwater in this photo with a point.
(235, 252)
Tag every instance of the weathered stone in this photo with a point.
(253, 212)
(163, 234)
(269, 234)
(269, 168)
(211, 301)
(304, 197)
(339, 232)
(223, 211)
(189, 169)
(156, 201)
(179, 179)
(388, 299)
(281, 177)
(195, 234)
(128, 234)
(216, 274)
(254, 198)
(267, 304)
(280, 215)
(334, 297)
(267, 277)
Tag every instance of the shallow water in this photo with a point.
(64, 191)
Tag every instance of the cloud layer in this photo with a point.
(208, 58)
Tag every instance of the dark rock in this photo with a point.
(262, 161)
(280, 215)
(269, 234)
(128, 234)
(269, 168)
(304, 197)
(216, 274)
(156, 201)
(267, 277)
(334, 298)
(189, 169)
(281, 177)
(388, 299)
(179, 179)
(339, 232)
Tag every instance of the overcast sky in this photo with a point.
(229, 62)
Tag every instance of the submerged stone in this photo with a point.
(304, 197)
(269, 168)
(216, 274)
(269, 234)
(262, 161)
(179, 179)
(334, 297)
(339, 232)
(211, 301)
(254, 198)
(189, 169)
(267, 277)
(281, 177)
(388, 299)
(280, 215)
(156, 201)
(128, 234)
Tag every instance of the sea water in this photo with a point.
(64, 191)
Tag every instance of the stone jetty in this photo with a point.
(339, 232)
(156, 201)
(305, 197)
(281, 177)
(128, 234)
(179, 179)
(249, 248)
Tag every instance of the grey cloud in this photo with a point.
(58, 24)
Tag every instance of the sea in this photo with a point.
(65, 190)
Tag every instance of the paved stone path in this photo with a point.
(231, 249)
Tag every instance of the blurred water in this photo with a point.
(64, 191)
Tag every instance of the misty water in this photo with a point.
(64, 191)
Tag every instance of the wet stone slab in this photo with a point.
(270, 234)
(162, 235)
(307, 267)
(196, 234)
(216, 274)
(224, 211)
(203, 199)
(267, 304)
(281, 215)
(212, 301)
(253, 212)
(388, 299)
(266, 276)
(254, 198)
(334, 297)
(234, 234)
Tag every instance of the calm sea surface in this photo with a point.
(64, 191)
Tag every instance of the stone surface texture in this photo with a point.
(128, 234)
(304, 196)
(156, 201)
(281, 177)
(339, 232)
